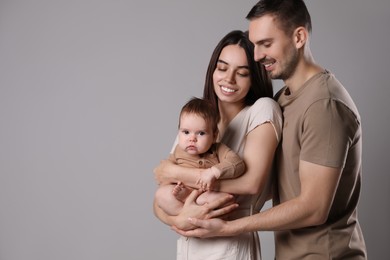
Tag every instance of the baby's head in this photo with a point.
(198, 126)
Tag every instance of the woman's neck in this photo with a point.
(228, 111)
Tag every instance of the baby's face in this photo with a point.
(195, 135)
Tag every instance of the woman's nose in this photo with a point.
(230, 77)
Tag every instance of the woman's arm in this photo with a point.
(258, 155)
(259, 151)
(191, 209)
(260, 147)
(169, 172)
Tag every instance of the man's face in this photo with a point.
(273, 47)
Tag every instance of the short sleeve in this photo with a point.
(329, 129)
(266, 110)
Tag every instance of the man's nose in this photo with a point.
(258, 54)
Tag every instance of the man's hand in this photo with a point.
(204, 228)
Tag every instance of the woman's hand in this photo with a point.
(191, 210)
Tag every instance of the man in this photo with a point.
(318, 166)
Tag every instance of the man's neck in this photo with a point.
(306, 69)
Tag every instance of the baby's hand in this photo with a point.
(207, 178)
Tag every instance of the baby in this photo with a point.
(197, 147)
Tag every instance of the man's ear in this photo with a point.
(300, 37)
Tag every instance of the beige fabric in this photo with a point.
(321, 126)
(219, 156)
(245, 246)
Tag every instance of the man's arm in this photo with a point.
(310, 208)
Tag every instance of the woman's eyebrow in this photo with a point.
(224, 62)
(240, 67)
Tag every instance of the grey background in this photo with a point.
(89, 97)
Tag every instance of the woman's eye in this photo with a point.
(243, 74)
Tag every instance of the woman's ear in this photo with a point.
(300, 37)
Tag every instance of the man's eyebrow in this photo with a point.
(260, 42)
(240, 67)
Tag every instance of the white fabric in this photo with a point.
(245, 246)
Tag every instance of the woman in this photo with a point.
(251, 126)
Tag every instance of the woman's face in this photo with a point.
(231, 76)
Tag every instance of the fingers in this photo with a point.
(221, 206)
(197, 232)
(198, 222)
(193, 196)
(186, 233)
(204, 228)
(222, 211)
(221, 201)
(202, 185)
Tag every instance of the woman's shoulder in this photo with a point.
(266, 104)
(267, 110)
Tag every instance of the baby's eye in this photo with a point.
(202, 133)
(186, 132)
